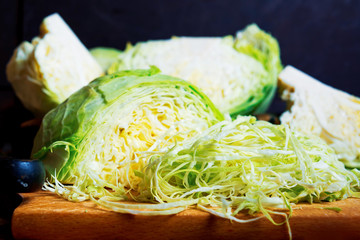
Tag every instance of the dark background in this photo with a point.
(322, 38)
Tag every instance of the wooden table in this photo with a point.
(44, 215)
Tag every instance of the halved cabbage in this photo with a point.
(316, 108)
(239, 75)
(105, 132)
(46, 71)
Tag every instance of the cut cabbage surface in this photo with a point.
(105, 132)
(316, 108)
(55, 64)
(238, 74)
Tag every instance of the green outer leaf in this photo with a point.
(64, 127)
(264, 48)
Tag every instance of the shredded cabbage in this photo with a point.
(233, 166)
(250, 165)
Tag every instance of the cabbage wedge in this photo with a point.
(318, 109)
(54, 65)
(238, 74)
(105, 132)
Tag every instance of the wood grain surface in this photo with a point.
(44, 215)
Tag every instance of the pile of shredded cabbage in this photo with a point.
(230, 167)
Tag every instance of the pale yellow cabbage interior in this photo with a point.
(210, 63)
(128, 137)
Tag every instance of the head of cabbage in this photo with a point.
(238, 74)
(105, 131)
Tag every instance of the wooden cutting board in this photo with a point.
(44, 215)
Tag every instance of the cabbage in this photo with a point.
(106, 131)
(230, 167)
(248, 164)
(316, 108)
(239, 75)
(46, 71)
(244, 165)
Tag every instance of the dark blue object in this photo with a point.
(20, 175)
(16, 176)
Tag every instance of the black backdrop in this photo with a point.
(322, 38)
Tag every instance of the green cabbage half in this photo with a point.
(105, 132)
(238, 74)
